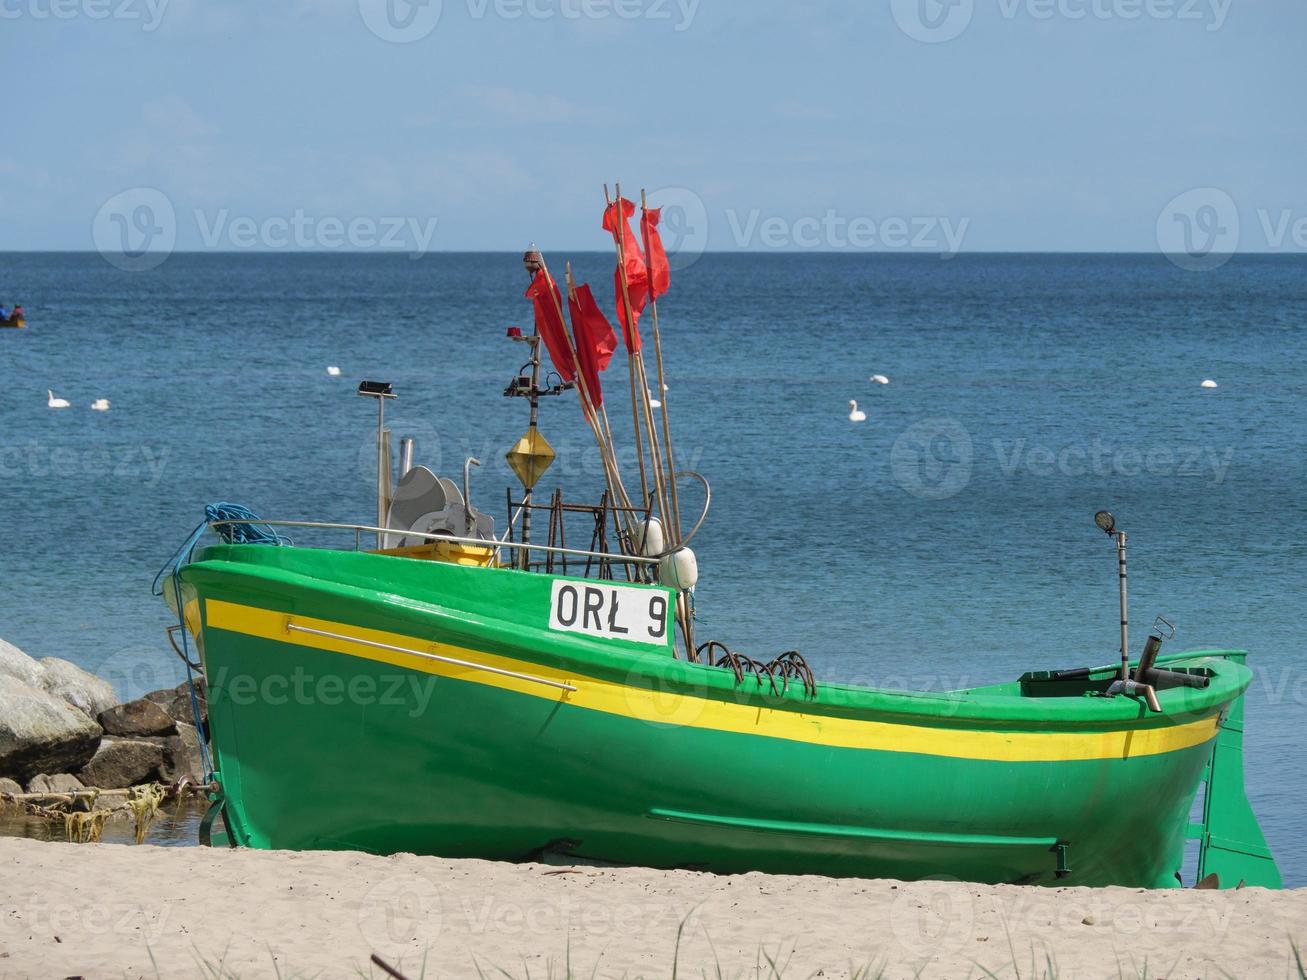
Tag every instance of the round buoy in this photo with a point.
(680, 570)
(649, 538)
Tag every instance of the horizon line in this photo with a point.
(402, 253)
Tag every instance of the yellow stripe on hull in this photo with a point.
(662, 707)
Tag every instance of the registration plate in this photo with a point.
(615, 612)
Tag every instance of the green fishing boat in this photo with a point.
(421, 684)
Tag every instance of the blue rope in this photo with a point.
(248, 529)
(179, 557)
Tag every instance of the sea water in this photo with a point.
(945, 542)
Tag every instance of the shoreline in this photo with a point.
(149, 911)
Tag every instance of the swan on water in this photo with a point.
(100, 405)
(856, 414)
(880, 379)
(54, 402)
(333, 370)
(1209, 383)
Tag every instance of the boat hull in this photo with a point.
(334, 727)
(15, 322)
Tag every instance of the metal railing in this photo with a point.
(495, 544)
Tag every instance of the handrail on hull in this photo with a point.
(476, 542)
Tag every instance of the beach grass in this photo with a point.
(768, 965)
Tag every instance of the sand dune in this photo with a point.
(119, 911)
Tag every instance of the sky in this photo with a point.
(453, 125)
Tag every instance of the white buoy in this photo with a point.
(54, 402)
(1209, 383)
(879, 379)
(679, 570)
(649, 538)
(856, 414)
(100, 405)
(333, 370)
(654, 402)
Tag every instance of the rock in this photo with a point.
(40, 732)
(177, 702)
(181, 754)
(15, 663)
(76, 686)
(139, 717)
(63, 783)
(9, 786)
(123, 762)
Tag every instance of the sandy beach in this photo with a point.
(120, 911)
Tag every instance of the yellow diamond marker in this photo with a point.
(530, 457)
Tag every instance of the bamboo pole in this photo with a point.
(69, 796)
(612, 477)
(625, 499)
(662, 386)
(598, 413)
(687, 624)
(603, 409)
(651, 435)
(630, 359)
(636, 360)
(674, 522)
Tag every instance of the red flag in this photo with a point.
(637, 277)
(638, 291)
(595, 340)
(660, 276)
(543, 294)
(630, 244)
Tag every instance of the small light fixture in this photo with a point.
(1105, 521)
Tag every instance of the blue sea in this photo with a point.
(945, 542)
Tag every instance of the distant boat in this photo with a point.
(14, 321)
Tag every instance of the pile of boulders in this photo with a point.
(63, 729)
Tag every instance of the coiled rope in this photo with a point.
(244, 526)
(787, 666)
